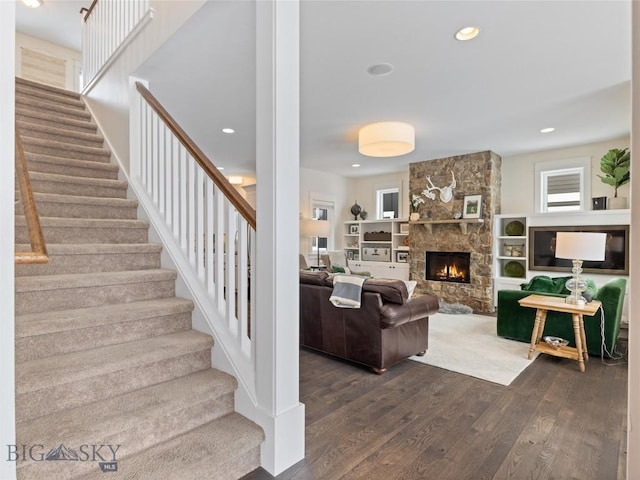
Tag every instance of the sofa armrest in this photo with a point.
(394, 315)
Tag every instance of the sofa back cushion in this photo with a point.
(391, 291)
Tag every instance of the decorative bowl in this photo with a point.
(515, 228)
(556, 342)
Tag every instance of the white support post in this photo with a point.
(7, 122)
(280, 412)
(633, 425)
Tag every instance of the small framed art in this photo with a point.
(402, 257)
(599, 203)
(354, 229)
(472, 206)
(404, 228)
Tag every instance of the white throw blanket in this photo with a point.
(347, 291)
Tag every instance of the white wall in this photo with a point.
(366, 187)
(7, 120)
(518, 173)
(72, 58)
(315, 184)
(109, 98)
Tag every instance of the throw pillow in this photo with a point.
(337, 269)
(539, 283)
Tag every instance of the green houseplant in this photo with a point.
(615, 165)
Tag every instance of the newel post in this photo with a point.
(277, 147)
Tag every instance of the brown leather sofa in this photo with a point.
(386, 329)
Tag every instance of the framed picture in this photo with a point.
(542, 247)
(599, 203)
(472, 206)
(404, 228)
(402, 257)
(350, 255)
(354, 229)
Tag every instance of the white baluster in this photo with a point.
(210, 221)
(183, 199)
(219, 248)
(243, 286)
(162, 133)
(200, 223)
(231, 267)
(191, 210)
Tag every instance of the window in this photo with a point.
(322, 210)
(387, 203)
(563, 186)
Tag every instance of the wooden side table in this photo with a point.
(543, 304)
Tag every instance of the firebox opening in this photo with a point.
(448, 266)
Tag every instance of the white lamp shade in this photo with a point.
(581, 245)
(315, 228)
(386, 139)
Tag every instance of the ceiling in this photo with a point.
(56, 21)
(535, 64)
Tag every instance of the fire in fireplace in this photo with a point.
(448, 266)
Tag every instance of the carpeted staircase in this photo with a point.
(105, 353)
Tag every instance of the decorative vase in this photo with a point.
(363, 215)
(355, 210)
(414, 217)
(616, 203)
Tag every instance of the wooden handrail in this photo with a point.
(87, 11)
(38, 253)
(246, 210)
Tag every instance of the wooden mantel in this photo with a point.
(463, 222)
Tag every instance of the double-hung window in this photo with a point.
(563, 186)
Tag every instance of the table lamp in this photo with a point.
(315, 228)
(579, 246)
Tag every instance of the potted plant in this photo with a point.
(615, 165)
(414, 202)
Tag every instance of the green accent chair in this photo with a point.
(516, 322)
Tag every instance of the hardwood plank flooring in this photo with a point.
(422, 422)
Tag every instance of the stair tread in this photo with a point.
(85, 222)
(28, 140)
(202, 450)
(30, 92)
(49, 88)
(43, 323)
(56, 177)
(79, 280)
(36, 116)
(41, 157)
(51, 106)
(82, 200)
(59, 370)
(45, 129)
(98, 248)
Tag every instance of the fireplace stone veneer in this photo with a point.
(476, 174)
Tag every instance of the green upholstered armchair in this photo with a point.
(516, 322)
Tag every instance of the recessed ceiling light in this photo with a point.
(467, 33)
(228, 130)
(32, 3)
(220, 168)
(380, 69)
(355, 165)
(547, 130)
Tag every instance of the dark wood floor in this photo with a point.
(422, 422)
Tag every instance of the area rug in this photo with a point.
(468, 344)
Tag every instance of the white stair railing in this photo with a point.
(207, 226)
(107, 27)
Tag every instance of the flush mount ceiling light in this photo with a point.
(355, 165)
(467, 33)
(228, 130)
(386, 139)
(32, 3)
(233, 180)
(547, 130)
(380, 69)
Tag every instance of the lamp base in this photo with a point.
(578, 300)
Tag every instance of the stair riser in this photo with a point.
(88, 140)
(52, 399)
(85, 235)
(70, 210)
(82, 297)
(67, 153)
(85, 190)
(135, 440)
(73, 171)
(99, 262)
(25, 91)
(64, 122)
(52, 108)
(47, 345)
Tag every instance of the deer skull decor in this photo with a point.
(446, 193)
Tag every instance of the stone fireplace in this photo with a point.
(448, 267)
(438, 230)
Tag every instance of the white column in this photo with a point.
(633, 426)
(277, 95)
(7, 187)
